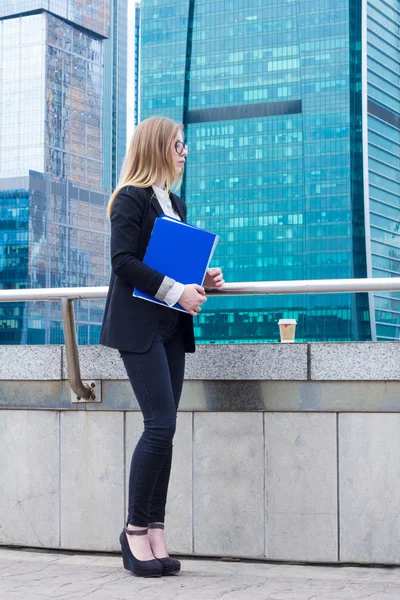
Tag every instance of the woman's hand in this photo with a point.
(193, 295)
(214, 279)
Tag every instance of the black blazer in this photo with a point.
(130, 323)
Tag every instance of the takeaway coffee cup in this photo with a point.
(287, 328)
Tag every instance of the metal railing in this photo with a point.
(91, 391)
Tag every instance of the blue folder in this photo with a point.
(180, 251)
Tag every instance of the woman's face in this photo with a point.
(179, 152)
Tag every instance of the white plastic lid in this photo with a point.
(287, 322)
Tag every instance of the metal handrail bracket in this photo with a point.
(81, 391)
(90, 391)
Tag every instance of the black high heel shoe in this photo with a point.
(169, 565)
(140, 568)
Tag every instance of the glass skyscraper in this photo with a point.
(52, 234)
(382, 160)
(137, 62)
(115, 84)
(280, 101)
(53, 228)
(93, 16)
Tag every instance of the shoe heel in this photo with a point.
(139, 568)
(125, 560)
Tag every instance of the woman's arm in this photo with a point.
(126, 218)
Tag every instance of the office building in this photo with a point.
(54, 232)
(381, 144)
(291, 112)
(115, 93)
(137, 63)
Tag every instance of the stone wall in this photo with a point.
(282, 452)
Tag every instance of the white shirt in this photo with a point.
(165, 202)
(176, 291)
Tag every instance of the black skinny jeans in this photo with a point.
(156, 377)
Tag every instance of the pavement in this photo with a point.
(38, 575)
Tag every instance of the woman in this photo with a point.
(152, 339)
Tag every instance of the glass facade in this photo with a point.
(53, 234)
(50, 100)
(73, 92)
(93, 15)
(22, 95)
(54, 231)
(115, 90)
(270, 96)
(14, 256)
(137, 63)
(383, 102)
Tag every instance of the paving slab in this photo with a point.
(37, 575)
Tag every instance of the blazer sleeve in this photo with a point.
(126, 219)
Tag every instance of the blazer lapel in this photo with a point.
(154, 202)
(156, 205)
(177, 207)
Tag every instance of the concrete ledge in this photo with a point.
(250, 377)
(35, 394)
(210, 362)
(275, 396)
(98, 362)
(355, 361)
(361, 361)
(248, 362)
(33, 363)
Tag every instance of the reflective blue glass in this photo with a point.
(383, 48)
(93, 16)
(54, 231)
(137, 60)
(46, 241)
(283, 186)
(115, 91)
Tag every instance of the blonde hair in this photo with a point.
(149, 157)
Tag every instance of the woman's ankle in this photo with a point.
(139, 542)
(157, 542)
(135, 527)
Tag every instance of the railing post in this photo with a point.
(81, 391)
